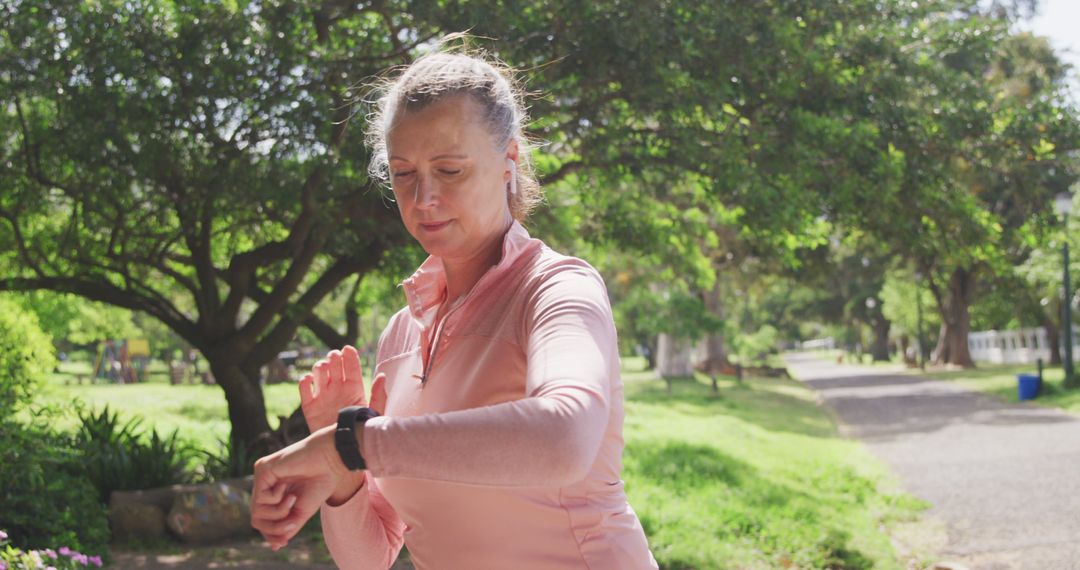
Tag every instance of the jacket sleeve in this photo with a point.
(363, 532)
(549, 438)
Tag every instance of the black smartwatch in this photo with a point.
(345, 436)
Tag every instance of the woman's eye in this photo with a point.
(450, 171)
(403, 174)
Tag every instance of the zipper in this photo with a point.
(435, 341)
(438, 329)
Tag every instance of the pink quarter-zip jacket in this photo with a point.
(501, 443)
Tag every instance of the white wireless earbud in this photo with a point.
(513, 175)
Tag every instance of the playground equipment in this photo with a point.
(122, 360)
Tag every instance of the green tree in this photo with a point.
(73, 320)
(901, 294)
(193, 162)
(980, 167)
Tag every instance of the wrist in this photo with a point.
(328, 444)
(351, 483)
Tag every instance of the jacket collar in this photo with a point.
(426, 288)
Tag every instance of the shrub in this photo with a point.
(231, 461)
(754, 347)
(46, 501)
(116, 457)
(26, 355)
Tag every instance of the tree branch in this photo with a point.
(564, 170)
(204, 263)
(20, 242)
(101, 290)
(352, 316)
(274, 341)
(305, 254)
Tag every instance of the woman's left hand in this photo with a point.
(292, 484)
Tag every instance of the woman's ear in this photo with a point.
(512, 150)
(512, 167)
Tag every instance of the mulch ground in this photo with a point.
(302, 552)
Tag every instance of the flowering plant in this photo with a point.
(12, 558)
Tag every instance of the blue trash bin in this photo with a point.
(1027, 386)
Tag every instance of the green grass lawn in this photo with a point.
(198, 411)
(753, 478)
(1000, 380)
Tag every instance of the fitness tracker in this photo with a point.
(345, 435)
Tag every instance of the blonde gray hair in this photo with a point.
(448, 72)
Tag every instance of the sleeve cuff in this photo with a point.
(358, 501)
(374, 431)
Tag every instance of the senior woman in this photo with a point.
(493, 438)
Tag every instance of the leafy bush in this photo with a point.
(232, 460)
(754, 347)
(26, 355)
(118, 458)
(46, 501)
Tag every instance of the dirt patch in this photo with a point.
(305, 551)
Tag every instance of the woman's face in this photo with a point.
(449, 180)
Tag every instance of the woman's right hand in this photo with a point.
(293, 483)
(336, 382)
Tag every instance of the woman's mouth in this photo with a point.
(434, 226)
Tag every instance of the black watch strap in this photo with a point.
(345, 435)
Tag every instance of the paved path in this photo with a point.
(1004, 478)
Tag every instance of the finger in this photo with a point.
(353, 370)
(307, 387)
(267, 489)
(266, 492)
(336, 372)
(281, 530)
(378, 393)
(272, 513)
(275, 541)
(322, 376)
(273, 530)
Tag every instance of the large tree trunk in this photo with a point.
(673, 358)
(714, 360)
(1053, 339)
(650, 343)
(247, 408)
(715, 350)
(954, 304)
(880, 348)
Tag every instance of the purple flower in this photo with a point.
(50, 553)
(3, 565)
(80, 558)
(3, 536)
(65, 550)
(96, 561)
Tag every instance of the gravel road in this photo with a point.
(1004, 478)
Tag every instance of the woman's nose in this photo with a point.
(425, 194)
